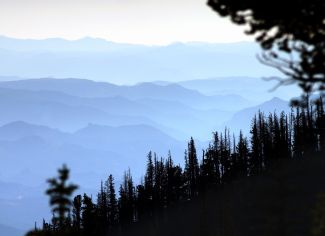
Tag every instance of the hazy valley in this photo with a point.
(110, 122)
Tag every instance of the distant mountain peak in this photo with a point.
(276, 100)
(22, 126)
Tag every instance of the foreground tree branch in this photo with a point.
(291, 33)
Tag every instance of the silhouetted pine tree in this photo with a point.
(192, 170)
(172, 181)
(298, 141)
(148, 186)
(225, 156)
(141, 207)
(159, 183)
(76, 212)
(214, 152)
(89, 216)
(255, 159)
(60, 192)
(111, 202)
(127, 200)
(102, 211)
(211, 165)
(205, 170)
(242, 155)
(169, 181)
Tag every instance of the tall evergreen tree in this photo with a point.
(76, 212)
(127, 200)
(243, 154)
(149, 184)
(88, 214)
(102, 210)
(255, 159)
(192, 169)
(112, 202)
(60, 193)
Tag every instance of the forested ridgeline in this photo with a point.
(235, 187)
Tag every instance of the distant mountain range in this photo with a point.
(236, 123)
(52, 118)
(99, 128)
(91, 89)
(98, 59)
(25, 147)
(257, 89)
(70, 104)
(105, 127)
(73, 119)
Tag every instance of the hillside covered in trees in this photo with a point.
(238, 186)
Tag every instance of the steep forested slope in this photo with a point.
(282, 201)
(268, 187)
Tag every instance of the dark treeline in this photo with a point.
(165, 184)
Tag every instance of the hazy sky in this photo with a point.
(133, 21)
